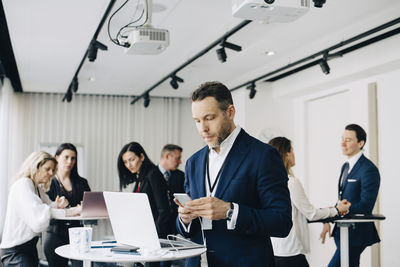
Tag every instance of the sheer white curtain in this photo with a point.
(6, 95)
(100, 124)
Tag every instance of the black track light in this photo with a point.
(323, 63)
(68, 96)
(252, 88)
(234, 47)
(74, 85)
(93, 47)
(2, 73)
(221, 53)
(319, 3)
(174, 81)
(146, 99)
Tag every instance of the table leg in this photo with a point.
(344, 245)
(87, 263)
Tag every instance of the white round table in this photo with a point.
(105, 255)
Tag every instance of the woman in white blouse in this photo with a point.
(289, 251)
(29, 210)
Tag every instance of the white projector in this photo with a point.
(147, 41)
(279, 11)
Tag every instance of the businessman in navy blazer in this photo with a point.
(238, 187)
(359, 184)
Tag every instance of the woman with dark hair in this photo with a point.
(68, 183)
(289, 251)
(134, 166)
(29, 210)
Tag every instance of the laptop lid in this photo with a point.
(133, 224)
(93, 205)
(131, 219)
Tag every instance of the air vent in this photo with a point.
(153, 35)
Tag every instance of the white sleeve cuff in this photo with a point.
(186, 228)
(57, 213)
(231, 224)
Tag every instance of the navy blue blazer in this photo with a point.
(361, 189)
(253, 177)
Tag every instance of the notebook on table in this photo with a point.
(93, 205)
(133, 224)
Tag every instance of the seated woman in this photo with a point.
(69, 184)
(29, 210)
(135, 167)
(289, 251)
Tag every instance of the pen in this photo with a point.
(103, 246)
(110, 241)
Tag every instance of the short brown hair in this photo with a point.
(214, 89)
(169, 148)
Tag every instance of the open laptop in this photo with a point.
(133, 224)
(93, 205)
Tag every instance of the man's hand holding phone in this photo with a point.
(181, 199)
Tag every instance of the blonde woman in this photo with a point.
(29, 210)
(289, 251)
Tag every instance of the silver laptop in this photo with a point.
(93, 205)
(133, 224)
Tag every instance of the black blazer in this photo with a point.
(155, 187)
(176, 185)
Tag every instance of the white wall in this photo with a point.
(389, 147)
(281, 106)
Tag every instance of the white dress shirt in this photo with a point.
(298, 240)
(353, 160)
(27, 213)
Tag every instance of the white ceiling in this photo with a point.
(49, 39)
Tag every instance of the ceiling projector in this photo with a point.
(147, 40)
(269, 11)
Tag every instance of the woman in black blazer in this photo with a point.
(135, 166)
(67, 183)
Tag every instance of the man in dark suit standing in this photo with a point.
(238, 185)
(359, 184)
(175, 178)
(169, 162)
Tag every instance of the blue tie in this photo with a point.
(166, 176)
(343, 177)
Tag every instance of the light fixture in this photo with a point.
(93, 47)
(146, 99)
(269, 53)
(67, 96)
(323, 63)
(252, 88)
(221, 51)
(319, 3)
(221, 54)
(74, 85)
(2, 73)
(174, 81)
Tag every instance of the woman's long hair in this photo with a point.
(125, 176)
(74, 176)
(31, 165)
(283, 145)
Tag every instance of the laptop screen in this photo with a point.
(93, 205)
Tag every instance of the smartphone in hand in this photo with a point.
(183, 198)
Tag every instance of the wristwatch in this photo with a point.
(229, 213)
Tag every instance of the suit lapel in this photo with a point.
(200, 173)
(233, 161)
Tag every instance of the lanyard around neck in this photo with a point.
(212, 187)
